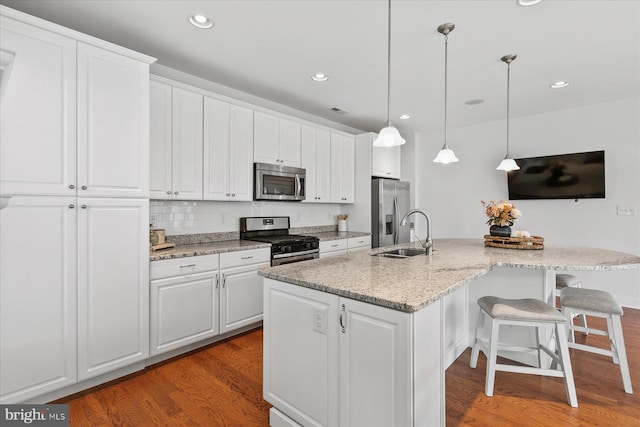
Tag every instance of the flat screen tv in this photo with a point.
(564, 176)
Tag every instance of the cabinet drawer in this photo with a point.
(183, 266)
(334, 245)
(363, 242)
(240, 258)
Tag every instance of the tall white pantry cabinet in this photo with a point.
(74, 232)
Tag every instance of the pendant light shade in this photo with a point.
(508, 164)
(446, 154)
(389, 136)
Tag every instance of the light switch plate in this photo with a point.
(320, 321)
(153, 220)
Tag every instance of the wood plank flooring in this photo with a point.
(221, 385)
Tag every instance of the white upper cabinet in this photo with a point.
(187, 119)
(176, 143)
(160, 141)
(37, 112)
(385, 161)
(113, 131)
(342, 168)
(276, 140)
(316, 159)
(228, 151)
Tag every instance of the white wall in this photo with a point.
(451, 194)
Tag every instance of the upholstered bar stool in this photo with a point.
(600, 304)
(523, 312)
(570, 281)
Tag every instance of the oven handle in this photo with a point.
(292, 254)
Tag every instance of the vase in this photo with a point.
(497, 230)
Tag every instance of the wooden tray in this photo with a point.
(525, 243)
(162, 246)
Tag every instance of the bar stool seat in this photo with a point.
(600, 304)
(564, 280)
(523, 312)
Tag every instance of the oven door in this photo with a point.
(279, 183)
(289, 258)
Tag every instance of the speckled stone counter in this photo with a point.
(409, 284)
(207, 248)
(335, 235)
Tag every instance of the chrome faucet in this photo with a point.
(428, 243)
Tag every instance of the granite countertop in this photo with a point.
(409, 284)
(231, 245)
(206, 248)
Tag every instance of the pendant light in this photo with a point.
(508, 164)
(446, 154)
(389, 136)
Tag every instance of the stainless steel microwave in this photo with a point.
(274, 182)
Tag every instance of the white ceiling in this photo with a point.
(271, 48)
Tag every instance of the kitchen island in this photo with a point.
(365, 340)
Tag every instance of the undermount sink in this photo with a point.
(402, 253)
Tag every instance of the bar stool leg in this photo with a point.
(612, 339)
(621, 351)
(475, 348)
(563, 351)
(492, 357)
(539, 340)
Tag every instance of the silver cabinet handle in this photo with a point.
(233, 194)
(333, 246)
(187, 266)
(217, 281)
(83, 206)
(343, 319)
(84, 187)
(72, 186)
(228, 194)
(169, 192)
(247, 257)
(72, 206)
(175, 192)
(224, 280)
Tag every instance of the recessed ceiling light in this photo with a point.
(474, 101)
(404, 116)
(319, 77)
(558, 85)
(201, 21)
(528, 2)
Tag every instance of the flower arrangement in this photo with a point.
(501, 213)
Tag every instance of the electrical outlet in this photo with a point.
(153, 220)
(626, 211)
(320, 321)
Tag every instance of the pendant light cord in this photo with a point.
(446, 61)
(508, 86)
(389, 65)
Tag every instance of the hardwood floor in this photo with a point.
(221, 385)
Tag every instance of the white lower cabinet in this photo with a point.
(330, 248)
(356, 244)
(330, 360)
(195, 298)
(74, 291)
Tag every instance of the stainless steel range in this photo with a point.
(285, 248)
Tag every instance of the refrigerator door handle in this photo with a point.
(396, 215)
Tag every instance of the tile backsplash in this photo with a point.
(197, 217)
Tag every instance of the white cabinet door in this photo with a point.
(37, 297)
(289, 152)
(113, 284)
(228, 151)
(375, 366)
(216, 149)
(266, 135)
(276, 140)
(301, 371)
(113, 124)
(241, 153)
(184, 310)
(160, 141)
(187, 121)
(308, 153)
(240, 297)
(385, 161)
(356, 244)
(323, 166)
(38, 113)
(342, 168)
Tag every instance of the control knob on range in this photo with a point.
(285, 248)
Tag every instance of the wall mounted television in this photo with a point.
(563, 176)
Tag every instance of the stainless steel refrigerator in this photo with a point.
(389, 202)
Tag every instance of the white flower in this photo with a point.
(515, 213)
